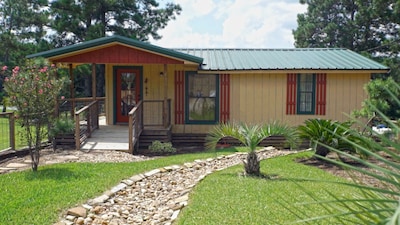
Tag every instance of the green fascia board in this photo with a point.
(120, 39)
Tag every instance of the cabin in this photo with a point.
(179, 94)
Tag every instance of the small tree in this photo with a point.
(33, 90)
(250, 136)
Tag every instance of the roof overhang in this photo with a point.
(285, 71)
(68, 52)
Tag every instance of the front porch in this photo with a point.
(92, 132)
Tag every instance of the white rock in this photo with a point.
(117, 188)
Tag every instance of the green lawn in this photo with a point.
(222, 198)
(39, 198)
(226, 197)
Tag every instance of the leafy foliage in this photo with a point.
(357, 25)
(76, 21)
(325, 132)
(33, 89)
(162, 147)
(382, 96)
(62, 126)
(22, 25)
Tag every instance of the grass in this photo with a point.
(4, 133)
(20, 142)
(221, 198)
(39, 198)
(228, 198)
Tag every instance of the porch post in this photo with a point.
(72, 90)
(94, 81)
(165, 106)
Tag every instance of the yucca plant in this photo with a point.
(250, 136)
(322, 133)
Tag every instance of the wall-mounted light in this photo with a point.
(161, 73)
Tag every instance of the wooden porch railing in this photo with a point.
(11, 128)
(135, 125)
(86, 121)
(71, 105)
(154, 113)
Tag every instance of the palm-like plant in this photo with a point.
(322, 133)
(250, 136)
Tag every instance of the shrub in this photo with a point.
(162, 147)
(323, 132)
(62, 126)
(33, 90)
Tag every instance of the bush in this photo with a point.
(323, 132)
(160, 147)
(62, 126)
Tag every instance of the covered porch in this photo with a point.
(93, 133)
(138, 84)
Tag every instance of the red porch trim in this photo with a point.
(119, 54)
(225, 97)
(291, 93)
(320, 106)
(179, 96)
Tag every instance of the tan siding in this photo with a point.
(345, 94)
(258, 97)
(262, 97)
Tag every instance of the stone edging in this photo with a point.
(156, 196)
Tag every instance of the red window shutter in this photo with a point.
(291, 94)
(179, 97)
(224, 83)
(320, 106)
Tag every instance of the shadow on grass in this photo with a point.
(54, 173)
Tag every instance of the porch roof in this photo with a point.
(106, 41)
(283, 59)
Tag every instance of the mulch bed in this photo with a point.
(349, 175)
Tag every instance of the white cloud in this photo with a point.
(234, 24)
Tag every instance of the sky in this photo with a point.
(232, 24)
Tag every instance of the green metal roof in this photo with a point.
(283, 59)
(241, 59)
(120, 39)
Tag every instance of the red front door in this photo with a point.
(128, 92)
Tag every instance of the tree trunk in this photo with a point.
(35, 155)
(252, 164)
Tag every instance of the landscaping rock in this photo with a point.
(156, 196)
(77, 211)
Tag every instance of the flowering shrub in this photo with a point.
(33, 90)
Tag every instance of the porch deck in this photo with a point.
(116, 137)
(112, 137)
